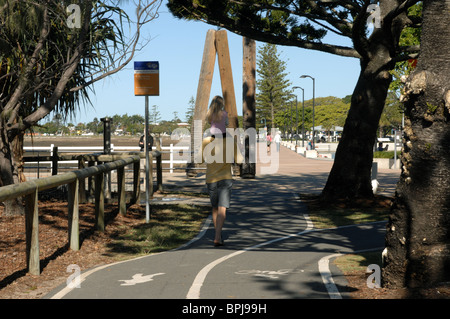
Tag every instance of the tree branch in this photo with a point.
(342, 27)
(337, 23)
(360, 41)
(248, 31)
(141, 20)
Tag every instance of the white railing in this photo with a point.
(171, 149)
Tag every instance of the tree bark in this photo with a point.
(248, 168)
(11, 170)
(418, 232)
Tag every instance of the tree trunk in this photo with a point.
(11, 169)
(350, 176)
(418, 232)
(248, 168)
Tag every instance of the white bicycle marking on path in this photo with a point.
(333, 292)
(194, 291)
(272, 274)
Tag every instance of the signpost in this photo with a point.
(146, 83)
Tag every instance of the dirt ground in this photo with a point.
(359, 290)
(16, 283)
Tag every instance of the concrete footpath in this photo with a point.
(271, 248)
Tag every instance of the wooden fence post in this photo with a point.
(91, 186)
(55, 161)
(136, 182)
(32, 232)
(73, 200)
(99, 202)
(150, 182)
(82, 182)
(159, 176)
(121, 190)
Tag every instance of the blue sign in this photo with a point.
(146, 66)
(146, 78)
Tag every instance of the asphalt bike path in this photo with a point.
(271, 250)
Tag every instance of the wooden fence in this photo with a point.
(75, 181)
(56, 153)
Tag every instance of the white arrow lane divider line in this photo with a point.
(327, 279)
(333, 292)
(194, 291)
(325, 272)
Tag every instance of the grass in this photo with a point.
(358, 263)
(341, 213)
(386, 154)
(326, 215)
(169, 227)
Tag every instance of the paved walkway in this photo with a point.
(271, 248)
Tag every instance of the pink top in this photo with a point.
(221, 126)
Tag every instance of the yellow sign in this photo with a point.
(146, 78)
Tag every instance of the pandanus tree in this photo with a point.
(418, 233)
(51, 52)
(304, 24)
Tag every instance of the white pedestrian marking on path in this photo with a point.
(139, 279)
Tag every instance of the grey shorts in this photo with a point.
(220, 193)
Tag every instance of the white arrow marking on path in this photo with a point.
(139, 279)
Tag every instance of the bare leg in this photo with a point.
(219, 215)
(214, 215)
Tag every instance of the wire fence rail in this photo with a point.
(75, 182)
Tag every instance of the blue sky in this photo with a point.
(178, 46)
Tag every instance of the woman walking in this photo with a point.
(216, 152)
(217, 116)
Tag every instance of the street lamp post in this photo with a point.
(303, 115)
(290, 121)
(314, 89)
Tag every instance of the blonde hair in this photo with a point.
(214, 113)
